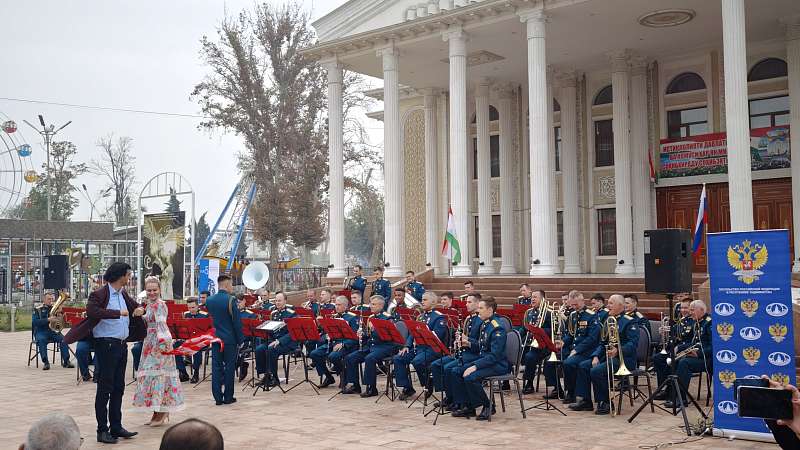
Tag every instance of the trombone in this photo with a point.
(612, 332)
(543, 308)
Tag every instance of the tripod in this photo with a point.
(546, 405)
(679, 390)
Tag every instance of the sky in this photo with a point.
(130, 55)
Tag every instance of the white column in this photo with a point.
(569, 172)
(737, 120)
(393, 165)
(336, 170)
(622, 161)
(432, 212)
(793, 61)
(459, 178)
(484, 179)
(551, 162)
(506, 181)
(543, 260)
(640, 165)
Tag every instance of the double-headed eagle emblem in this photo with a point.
(747, 258)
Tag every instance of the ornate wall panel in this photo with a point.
(414, 189)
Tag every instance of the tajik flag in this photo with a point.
(450, 247)
(701, 223)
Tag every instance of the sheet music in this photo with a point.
(271, 325)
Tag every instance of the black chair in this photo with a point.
(514, 357)
(700, 376)
(629, 384)
(33, 350)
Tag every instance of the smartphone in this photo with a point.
(765, 403)
(739, 382)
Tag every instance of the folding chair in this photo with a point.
(513, 355)
(642, 361)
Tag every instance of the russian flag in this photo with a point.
(702, 222)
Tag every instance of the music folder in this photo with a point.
(272, 325)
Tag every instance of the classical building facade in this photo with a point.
(559, 131)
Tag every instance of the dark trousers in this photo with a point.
(136, 351)
(45, 337)
(531, 359)
(223, 371)
(112, 359)
(83, 353)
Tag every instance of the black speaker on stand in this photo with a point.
(668, 261)
(56, 268)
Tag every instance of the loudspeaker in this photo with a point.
(668, 261)
(55, 271)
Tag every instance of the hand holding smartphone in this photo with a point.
(757, 399)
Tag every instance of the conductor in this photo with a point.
(228, 325)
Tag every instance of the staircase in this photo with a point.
(505, 289)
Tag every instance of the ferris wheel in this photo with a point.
(16, 170)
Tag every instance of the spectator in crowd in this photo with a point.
(55, 431)
(193, 434)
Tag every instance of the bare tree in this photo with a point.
(117, 165)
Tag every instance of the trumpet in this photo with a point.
(614, 341)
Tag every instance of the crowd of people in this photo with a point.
(590, 338)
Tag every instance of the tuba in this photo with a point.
(56, 311)
(255, 275)
(408, 302)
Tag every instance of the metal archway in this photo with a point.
(165, 184)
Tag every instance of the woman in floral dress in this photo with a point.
(158, 388)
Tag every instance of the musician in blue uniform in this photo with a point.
(44, 335)
(525, 294)
(357, 302)
(598, 305)
(358, 282)
(382, 287)
(413, 286)
(280, 344)
(247, 346)
(579, 342)
(571, 301)
(595, 372)
(372, 350)
(537, 315)
(338, 349)
(632, 309)
(682, 333)
(466, 351)
(201, 300)
(325, 303)
(491, 361)
(193, 312)
(697, 353)
(311, 302)
(420, 356)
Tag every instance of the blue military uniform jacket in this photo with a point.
(437, 322)
(629, 338)
(473, 330)
(524, 300)
(643, 321)
(327, 307)
(359, 284)
(416, 288)
(492, 345)
(247, 314)
(199, 315)
(282, 334)
(684, 331)
(382, 287)
(352, 320)
(532, 317)
(314, 307)
(602, 315)
(227, 320)
(700, 333)
(39, 320)
(582, 332)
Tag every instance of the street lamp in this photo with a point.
(47, 133)
(102, 194)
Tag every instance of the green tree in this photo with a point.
(173, 204)
(201, 234)
(63, 172)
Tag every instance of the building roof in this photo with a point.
(42, 229)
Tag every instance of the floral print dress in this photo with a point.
(158, 387)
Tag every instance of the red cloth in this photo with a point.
(193, 345)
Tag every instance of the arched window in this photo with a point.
(604, 97)
(685, 82)
(494, 114)
(768, 68)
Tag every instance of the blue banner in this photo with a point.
(203, 275)
(751, 304)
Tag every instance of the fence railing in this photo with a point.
(296, 279)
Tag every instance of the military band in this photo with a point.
(417, 355)
(580, 340)
(334, 351)
(372, 351)
(280, 343)
(534, 352)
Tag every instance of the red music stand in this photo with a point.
(303, 312)
(541, 337)
(424, 336)
(387, 331)
(302, 330)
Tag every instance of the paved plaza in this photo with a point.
(301, 419)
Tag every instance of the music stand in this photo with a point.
(387, 332)
(302, 330)
(251, 331)
(541, 336)
(337, 329)
(424, 336)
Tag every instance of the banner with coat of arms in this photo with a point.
(752, 315)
